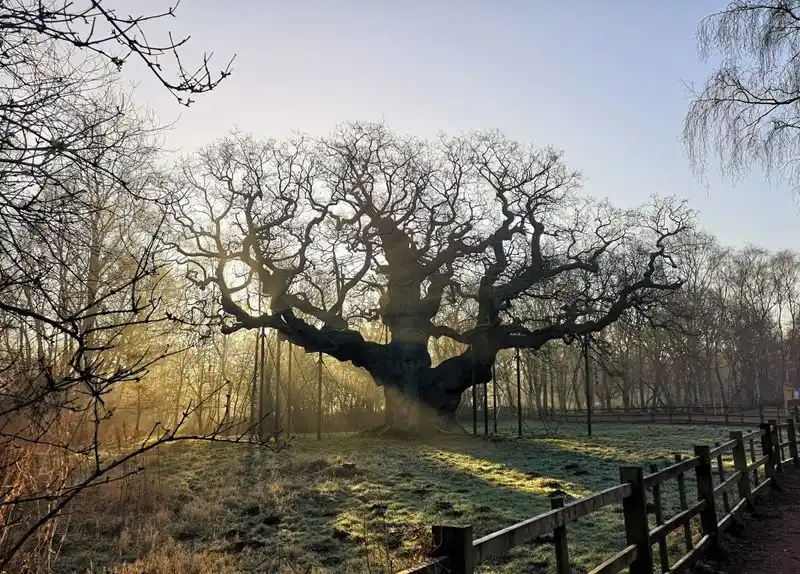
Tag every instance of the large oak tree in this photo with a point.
(366, 225)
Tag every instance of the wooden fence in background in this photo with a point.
(718, 415)
(505, 417)
(759, 459)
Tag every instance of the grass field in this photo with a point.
(349, 504)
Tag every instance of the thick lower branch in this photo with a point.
(514, 336)
(345, 345)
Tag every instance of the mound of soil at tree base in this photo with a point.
(769, 540)
(393, 432)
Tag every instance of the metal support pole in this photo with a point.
(474, 394)
(277, 384)
(588, 384)
(289, 391)
(319, 396)
(494, 397)
(486, 408)
(519, 396)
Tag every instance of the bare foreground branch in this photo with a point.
(93, 26)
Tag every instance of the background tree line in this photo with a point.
(727, 338)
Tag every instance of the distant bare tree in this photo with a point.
(748, 111)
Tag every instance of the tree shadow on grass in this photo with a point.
(488, 486)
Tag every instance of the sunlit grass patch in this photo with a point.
(502, 475)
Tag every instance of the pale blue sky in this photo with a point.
(602, 79)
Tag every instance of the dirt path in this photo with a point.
(771, 541)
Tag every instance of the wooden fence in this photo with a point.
(698, 414)
(506, 417)
(758, 463)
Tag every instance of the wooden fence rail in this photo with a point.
(721, 496)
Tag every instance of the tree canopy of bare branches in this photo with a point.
(367, 225)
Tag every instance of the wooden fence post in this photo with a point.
(768, 450)
(705, 492)
(455, 542)
(635, 512)
(740, 465)
(791, 431)
(726, 505)
(663, 552)
(560, 540)
(687, 529)
(752, 448)
(775, 439)
(761, 413)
